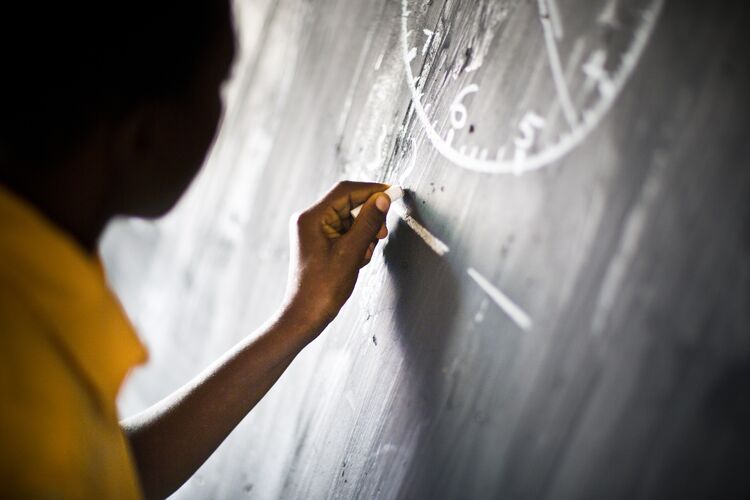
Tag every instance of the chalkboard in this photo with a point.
(562, 308)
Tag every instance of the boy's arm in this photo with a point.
(173, 438)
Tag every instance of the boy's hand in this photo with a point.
(328, 248)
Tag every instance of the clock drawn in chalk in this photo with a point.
(553, 67)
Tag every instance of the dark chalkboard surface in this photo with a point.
(566, 313)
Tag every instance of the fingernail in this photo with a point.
(382, 202)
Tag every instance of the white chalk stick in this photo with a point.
(393, 192)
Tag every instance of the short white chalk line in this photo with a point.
(515, 313)
(433, 242)
(550, 18)
(554, 17)
(508, 306)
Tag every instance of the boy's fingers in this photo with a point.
(333, 224)
(366, 226)
(368, 255)
(347, 195)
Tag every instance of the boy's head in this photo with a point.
(124, 97)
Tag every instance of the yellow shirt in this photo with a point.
(65, 348)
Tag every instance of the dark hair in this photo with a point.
(69, 65)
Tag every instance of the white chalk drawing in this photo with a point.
(530, 123)
(458, 112)
(513, 311)
(430, 239)
(551, 18)
(533, 145)
(596, 74)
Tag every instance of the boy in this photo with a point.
(111, 114)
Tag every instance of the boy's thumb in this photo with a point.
(367, 224)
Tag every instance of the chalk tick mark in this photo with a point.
(515, 313)
(434, 243)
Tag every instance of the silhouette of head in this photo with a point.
(124, 97)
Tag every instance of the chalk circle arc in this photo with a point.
(568, 141)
